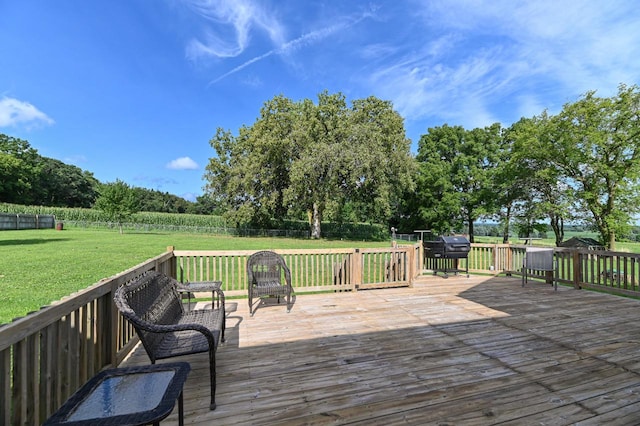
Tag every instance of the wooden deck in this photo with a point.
(457, 351)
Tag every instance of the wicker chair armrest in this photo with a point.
(287, 274)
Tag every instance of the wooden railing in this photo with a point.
(311, 270)
(613, 272)
(47, 355)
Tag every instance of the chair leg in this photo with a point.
(224, 323)
(212, 372)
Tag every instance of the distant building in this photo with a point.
(583, 242)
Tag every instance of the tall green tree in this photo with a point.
(302, 158)
(457, 168)
(319, 173)
(536, 188)
(595, 144)
(381, 167)
(118, 201)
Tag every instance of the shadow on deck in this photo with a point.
(457, 351)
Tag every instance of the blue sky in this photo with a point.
(135, 89)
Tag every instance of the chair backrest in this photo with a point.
(539, 259)
(151, 299)
(267, 266)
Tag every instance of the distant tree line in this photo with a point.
(28, 178)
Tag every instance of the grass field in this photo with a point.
(41, 266)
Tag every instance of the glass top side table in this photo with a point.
(126, 396)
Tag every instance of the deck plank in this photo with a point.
(456, 351)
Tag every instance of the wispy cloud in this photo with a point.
(14, 112)
(508, 50)
(182, 163)
(300, 42)
(229, 26)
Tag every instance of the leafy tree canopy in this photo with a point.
(118, 201)
(594, 144)
(313, 159)
(457, 167)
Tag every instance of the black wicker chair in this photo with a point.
(152, 304)
(268, 276)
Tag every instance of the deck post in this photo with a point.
(173, 267)
(356, 272)
(577, 267)
(411, 260)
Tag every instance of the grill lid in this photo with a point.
(447, 246)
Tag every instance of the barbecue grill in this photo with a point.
(445, 252)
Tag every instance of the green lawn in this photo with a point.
(41, 266)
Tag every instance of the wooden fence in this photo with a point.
(10, 221)
(47, 355)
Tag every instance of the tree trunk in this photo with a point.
(471, 238)
(316, 219)
(612, 240)
(557, 224)
(507, 221)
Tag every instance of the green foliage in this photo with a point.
(64, 185)
(594, 145)
(150, 200)
(456, 184)
(28, 178)
(533, 188)
(18, 170)
(118, 202)
(301, 158)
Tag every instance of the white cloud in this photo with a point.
(182, 163)
(14, 112)
(228, 35)
(486, 61)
